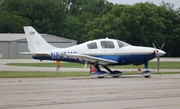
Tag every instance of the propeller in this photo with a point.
(158, 55)
(162, 46)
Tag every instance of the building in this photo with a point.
(12, 44)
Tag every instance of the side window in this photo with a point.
(92, 45)
(107, 44)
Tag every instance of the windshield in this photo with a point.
(122, 44)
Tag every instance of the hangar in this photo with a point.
(12, 44)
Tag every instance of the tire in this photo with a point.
(100, 76)
(147, 76)
(115, 76)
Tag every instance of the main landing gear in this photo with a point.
(102, 74)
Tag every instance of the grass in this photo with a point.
(152, 65)
(29, 74)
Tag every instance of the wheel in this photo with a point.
(147, 76)
(115, 76)
(100, 76)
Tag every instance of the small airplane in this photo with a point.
(105, 52)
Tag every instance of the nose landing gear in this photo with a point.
(147, 73)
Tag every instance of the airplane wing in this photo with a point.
(91, 59)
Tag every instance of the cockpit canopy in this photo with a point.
(109, 44)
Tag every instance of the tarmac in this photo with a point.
(89, 92)
(126, 92)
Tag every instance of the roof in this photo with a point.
(11, 37)
(20, 36)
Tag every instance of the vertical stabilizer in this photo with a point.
(35, 41)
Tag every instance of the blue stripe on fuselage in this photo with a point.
(121, 59)
(129, 59)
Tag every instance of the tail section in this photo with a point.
(35, 41)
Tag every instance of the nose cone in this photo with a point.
(160, 52)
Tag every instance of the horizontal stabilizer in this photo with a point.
(35, 53)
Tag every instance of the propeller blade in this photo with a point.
(162, 46)
(156, 50)
(154, 46)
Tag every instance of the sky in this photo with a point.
(157, 2)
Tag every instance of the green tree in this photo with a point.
(80, 13)
(45, 15)
(139, 24)
(11, 23)
(96, 7)
(171, 33)
(82, 20)
(143, 23)
(107, 26)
